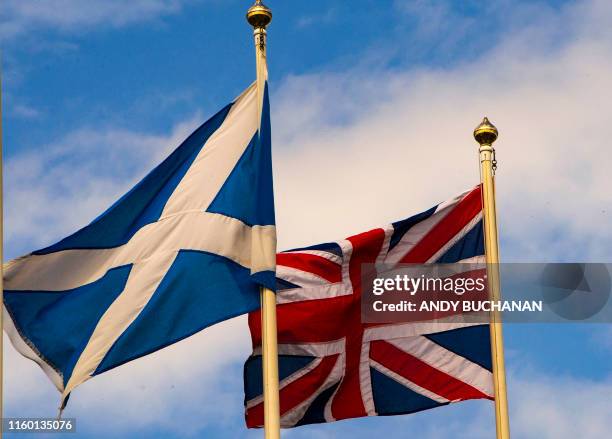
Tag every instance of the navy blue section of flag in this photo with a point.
(187, 247)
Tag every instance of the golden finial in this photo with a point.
(259, 15)
(485, 133)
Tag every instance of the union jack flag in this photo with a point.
(332, 366)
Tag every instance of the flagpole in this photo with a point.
(259, 16)
(485, 134)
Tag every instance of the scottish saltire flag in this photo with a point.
(334, 367)
(187, 247)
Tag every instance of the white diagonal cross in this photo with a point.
(184, 225)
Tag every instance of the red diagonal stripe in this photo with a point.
(295, 392)
(446, 229)
(422, 374)
(324, 268)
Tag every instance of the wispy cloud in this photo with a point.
(376, 145)
(20, 16)
(327, 17)
(24, 111)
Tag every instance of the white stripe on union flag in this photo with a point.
(448, 362)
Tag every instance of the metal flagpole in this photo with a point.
(259, 16)
(485, 134)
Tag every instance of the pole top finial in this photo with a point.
(485, 133)
(259, 15)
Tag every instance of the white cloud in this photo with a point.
(548, 407)
(357, 150)
(25, 111)
(376, 146)
(326, 17)
(19, 16)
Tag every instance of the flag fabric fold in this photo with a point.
(187, 247)
(332, 366)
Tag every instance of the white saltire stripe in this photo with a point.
(294, 415)
(320, 292)
(413, 236)
(142, 282)
(313, 286)
(464, 231)
(195, 230)
(447, 361)
(347, 252)
(216, 160)
(299, 277)
(476, 260)
(383, 254)
(365, 380)
(310, 349)
(182, 225)
(407, 383)
(401, 330)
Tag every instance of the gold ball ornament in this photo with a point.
(259, 15)
(485, 133)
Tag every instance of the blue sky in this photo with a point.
(373, 106)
